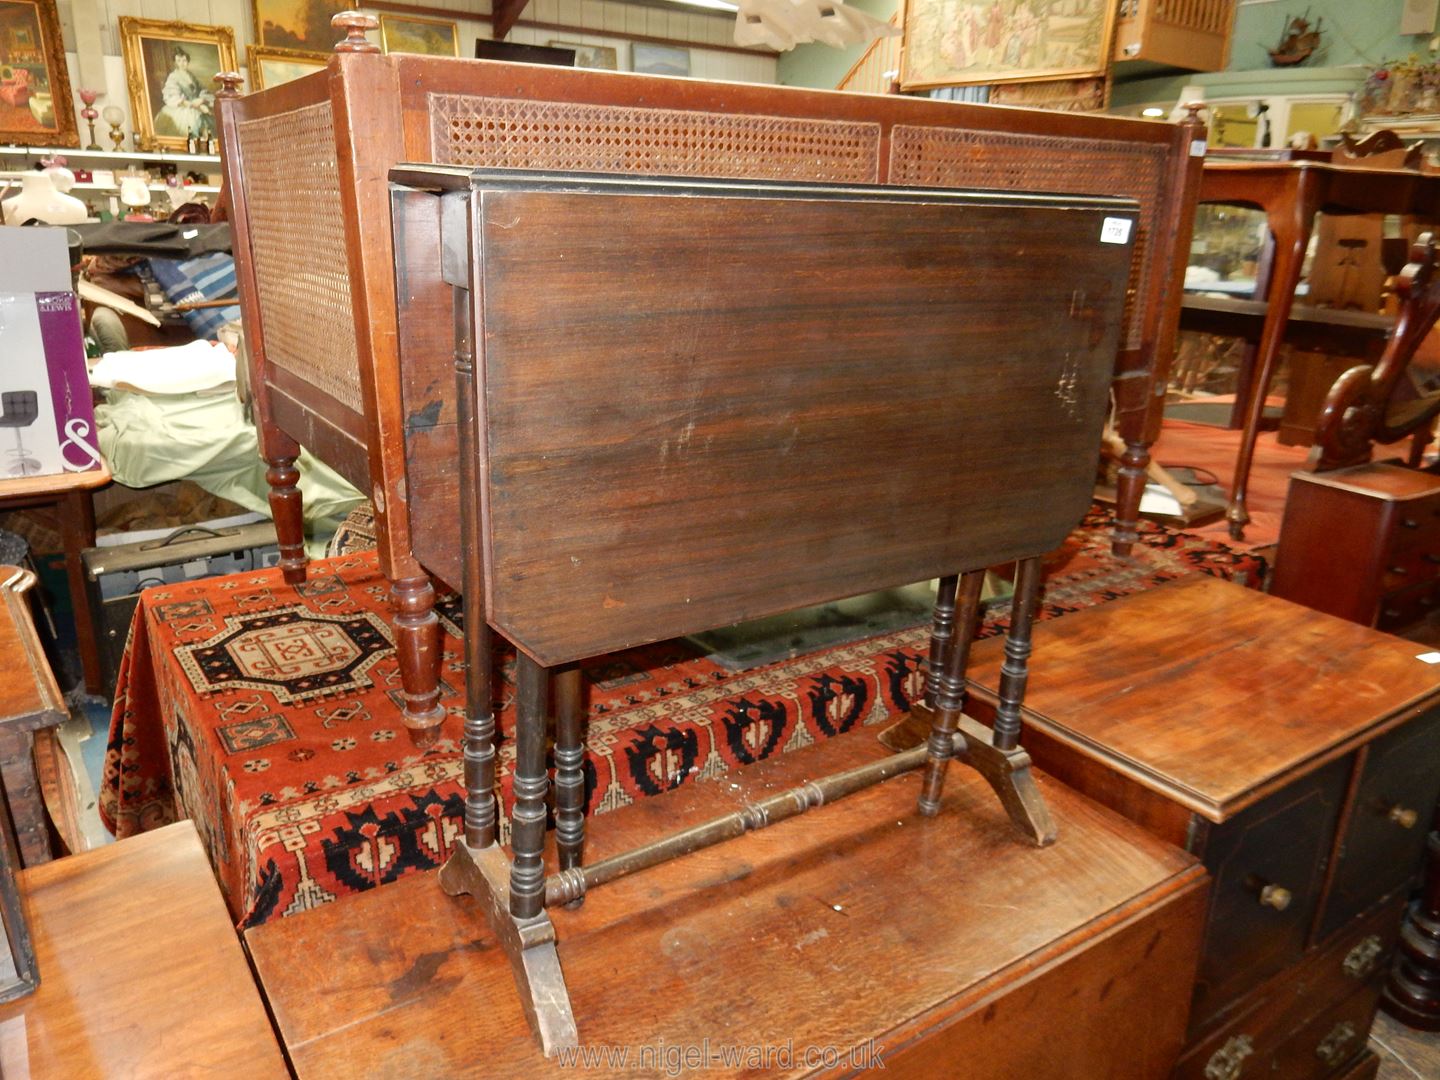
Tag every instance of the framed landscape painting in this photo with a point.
(300, 25)
(598, 57)
(968, 42)
(35, 104)
(659, 59)
(413, 34)
(276, 67)
(170, 68)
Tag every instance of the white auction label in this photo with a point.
(1116, 230)
(1428, 657)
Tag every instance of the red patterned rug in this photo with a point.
(271, 715)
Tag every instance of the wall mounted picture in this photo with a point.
(659, 59)
(35, 105)
(413, 34)
(301, 25)
(964, 42)
(276, 67)
(170, 68)
(598, 57)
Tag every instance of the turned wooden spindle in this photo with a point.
(942, 631)
(531, 782)
(286, 509)
(355, 23)
(1015, 671)
(948, 678)
(417, 648)
(479, 732)
(1412, 995)
(569, 771)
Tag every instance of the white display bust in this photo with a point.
(40, 200)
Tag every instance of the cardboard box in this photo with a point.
(47, 422)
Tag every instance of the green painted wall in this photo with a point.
(1357, 35)
(822, 66)
(1355, 32)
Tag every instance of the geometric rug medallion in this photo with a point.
(293, 652)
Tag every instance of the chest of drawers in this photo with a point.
(1362, 543)
(1293, 752)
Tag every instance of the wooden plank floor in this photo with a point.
(861, 921)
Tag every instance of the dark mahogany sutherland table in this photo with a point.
(1294, 753)
(938, 943)
(1291, 193)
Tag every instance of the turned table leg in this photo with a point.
(945, 688)
(569, 769)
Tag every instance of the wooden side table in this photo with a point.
(73, 492)
(141, 974)
(1292, 193)
(30, 701)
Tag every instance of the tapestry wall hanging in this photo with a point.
(965, 42)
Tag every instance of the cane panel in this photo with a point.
(511, 133)
(297, 242)
(957, 157)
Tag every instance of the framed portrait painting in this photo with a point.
(35, 104)
(170, 68)
(276, 67)
(968, 42)
(301, 25)
(414, 34)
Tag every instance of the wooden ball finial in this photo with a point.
(230, 83)
(355, 23)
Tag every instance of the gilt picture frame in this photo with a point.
(275, 67)
(299, 25)
(36, 106)
(170, 69)
(418, 35)
(978, 42)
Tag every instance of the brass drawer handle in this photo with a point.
(1276, 896)
(1403, 817)
(1361, 960)
(1226, 1063)
(1409, 523)
(1334, 1048)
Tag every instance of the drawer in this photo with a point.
(1329, 1043)
(1409, 605)
(1268, 865)
(1384, 836)
(1409, 569)
(1349, 971)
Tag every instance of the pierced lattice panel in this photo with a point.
(297, 241)
(952, 157)
(511, 133)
